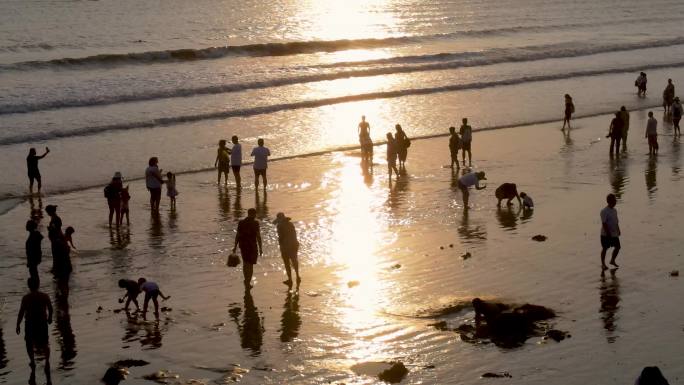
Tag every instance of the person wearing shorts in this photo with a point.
(222, 162)
(260, 154)
(36, 309)
(32, 166)
(610, 231)
(468, 180)
(289, 246)
(151, 290)
(466, 139)
(153, 180)
(248, 237)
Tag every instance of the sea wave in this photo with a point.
(261, 110)
(397, 65)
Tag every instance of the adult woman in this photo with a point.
(113, 194)
(569, 110)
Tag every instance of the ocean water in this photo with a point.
(106, 85)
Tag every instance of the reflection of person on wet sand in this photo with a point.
(289, 246)
(248, 237)
(67, 339)
(610, 298)
(507, 216)
(37, 309)
(290, 321)
(250, 329)
(469, 180)
(610, 231)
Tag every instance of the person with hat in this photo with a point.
(468, 180)
(289, 246)
(248, 237)
(676, 115)
(113, 194)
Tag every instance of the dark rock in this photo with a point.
(396, 266)
(451, 245)
(539, 238)
(99, 309)
(466, 256)
(161, 376)
(497, 375)
(129, 363)
(557, 335)
(674, 273)
(441, 247)
(166, 309)
(535, 312)
(114, 375)
(441, 325)
(394, 374)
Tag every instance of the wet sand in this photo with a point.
(355, 228)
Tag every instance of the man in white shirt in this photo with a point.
(468, 180)
(260, 155)
(236, 159)
(153, 180)
(610, 231)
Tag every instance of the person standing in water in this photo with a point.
(391, 156)
(365, 141)
(32, 166)
(610, 231)
(469, 180)
(454, 146)
(154, 181)
(569, 110)
(222, 162)
(34, 251)
(113, 194)
(615, 133)
(466, 141)
(668, 96)
(236, 160)
(402, 142)
(640, 84)
(248, 237)
(677, 111)
(652, 134)
(260, 155)
(289, 246)
(624, 115)
(36, 309)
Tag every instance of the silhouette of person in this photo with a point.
(391, 156)
(36, 309)
(365, 141)
(569, 110)
(32, 166)
(469, 180)
(466, 141)
(610, 231)
(248, 237)
(154, 181)
(289, 246)
(402, 144)
(615, 133)
(651, 375)
(609, 292)
(454, 146)
(260, 154)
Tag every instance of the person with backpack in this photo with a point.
(113, 194)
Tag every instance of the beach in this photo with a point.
(403, 244)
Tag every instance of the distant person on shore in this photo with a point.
(454, 146)
(171, 190)
(677, 111)
(466, 133)
(651, 375)
(624, 115)
(132, 291)
(222, 162)
(36, 309)
(248, 237)
(391, 156)
(69, 237)
(403, 143)
(260, 154)
(615, 133)
(527, 202)
(125, 208)
(154, 181)
(365, 141)
(32, 166)
(652, 134)
(236, 160)
(113, 194)
(468, 180)
(289, 246)
(507, 191)
(569, 110)
(34, 251)
(640, 84)
(668, 96)
(151, 290)
(610, 231)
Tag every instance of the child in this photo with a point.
(34, 253)
(125, 198)
(132, 291)
(67, 236)
(171, 191)
(152, 291)
(527, 201)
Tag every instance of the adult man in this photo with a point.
(454, 146)
(260, 154)
(32, 166)
(365, 140)
(236, 159)
(624, 115)
(468, 180)
(248, 237)
(610, 231)
(37, 309)
(154, 181)
(615, 133)
(289, 246)
(466, 140)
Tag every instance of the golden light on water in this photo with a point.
(349, 19)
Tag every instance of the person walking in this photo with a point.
(469, 180)
(289, 246)
(222, 162)
(32, 166)
(677, 111)
(569, 110)
(260, 154)
(403, 143)
(652, 134)
(154, 181)
(624, 115)
(454, 146)
(113, 194)
(640, 84)
(466, 141)
(248, 237)
(391, 156)
(615, 133)
(610, 231)
(236, 160)
(36, 311)
(668, 96)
